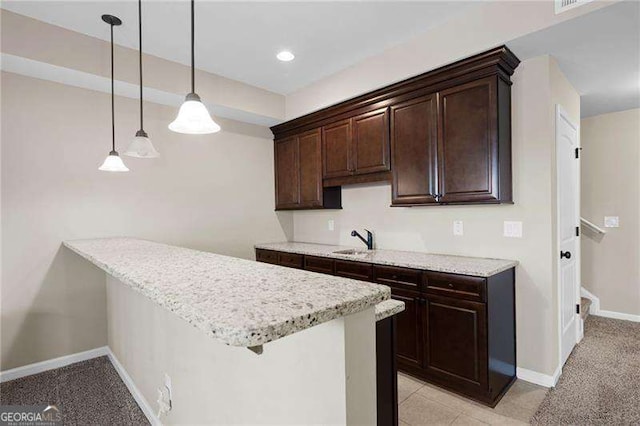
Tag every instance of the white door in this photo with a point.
(567, 152)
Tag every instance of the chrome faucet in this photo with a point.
(368, 241)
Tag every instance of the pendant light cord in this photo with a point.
(140, 52)
(193, 74)
(113, 110)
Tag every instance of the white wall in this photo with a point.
(537, 86)
(611, 187)
(211, 192)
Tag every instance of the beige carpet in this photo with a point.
(87, 393)
(600, 383)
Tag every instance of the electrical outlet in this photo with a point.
(513, 229)
(164, 403)
(458, 227)
(167, 384)
(331, 225)
(164, 397)
(611, 222)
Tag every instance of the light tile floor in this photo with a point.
(424, 404)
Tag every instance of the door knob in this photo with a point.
(566, 254)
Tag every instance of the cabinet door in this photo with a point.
(287, 173)
(413, 151)
(371, 142)
(456, 343)
(409, 328)
(336, 148)
(310, 147)
(468, 142)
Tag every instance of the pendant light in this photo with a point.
(113, 163)
(141, 145)
(193, 117)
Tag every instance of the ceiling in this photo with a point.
(239, 40)
(599, 53)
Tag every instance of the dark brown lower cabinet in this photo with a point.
(457, 331)
(455, 342)
(409, 323)
(466, 332)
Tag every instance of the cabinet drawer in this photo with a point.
(319, 264)
(459, 286)
(267, 256)
(395, 277)
(355, 270)
(291, 260)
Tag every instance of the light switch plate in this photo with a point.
(331, 225)
(513, 229)
(611, 222)
(458, 228)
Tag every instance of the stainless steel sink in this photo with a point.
(353, 252)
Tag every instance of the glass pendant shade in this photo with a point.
(193, 118)
(141, 147)
(113, 163)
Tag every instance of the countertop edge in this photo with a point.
(388, 308)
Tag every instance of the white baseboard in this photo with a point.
(595, 308)
(618, 315)
(133, 389)
(50, 364)
(538, 378)
(39, 367)
(595, 301)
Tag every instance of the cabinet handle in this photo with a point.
(394, 277)
(450, 285)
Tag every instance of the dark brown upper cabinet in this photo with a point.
(336, 143)
(298, 170)
(310, 148)
(355, 147)
(468, 145)
(287, 173)
(447, 147)
(413, 151)
(443, 137)
(370, 142)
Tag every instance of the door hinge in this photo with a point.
(577, 231)
(577, 308)
(578, 152)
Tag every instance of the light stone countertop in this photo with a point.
(240, 302)
(388, 308)
(476, 266)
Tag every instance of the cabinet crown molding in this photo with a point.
(499, 60)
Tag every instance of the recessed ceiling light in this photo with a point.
(285, 56)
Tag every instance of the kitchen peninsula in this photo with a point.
(192, 315)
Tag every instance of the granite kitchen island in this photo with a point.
(243, 342)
